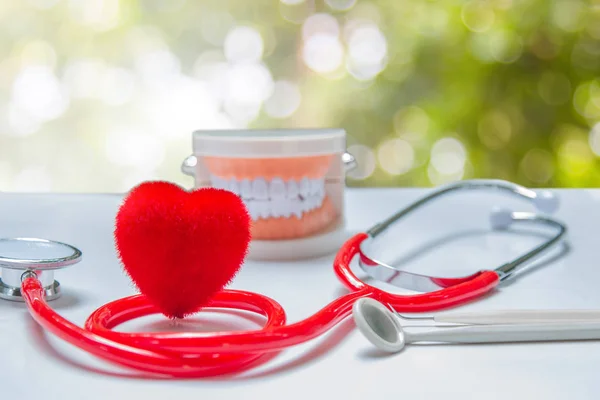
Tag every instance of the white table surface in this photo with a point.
(341, 364)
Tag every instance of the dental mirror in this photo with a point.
(378, 324)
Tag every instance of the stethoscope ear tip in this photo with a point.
(501, 218)
(378, 324)
(546, 202)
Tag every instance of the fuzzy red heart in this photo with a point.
(181, 247)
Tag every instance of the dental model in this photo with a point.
(292, 182)
(286, 198)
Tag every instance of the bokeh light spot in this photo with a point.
(323, 53)
(396, 156)
(20, 122)
(81, 77)
(320, 23)
(38, 92)
(43, 4)
(569, 15)
(158, 67)
(593, 25)
(438, 178)
(249, 83)
(545, 45)
(494, 130)
(594, 139)
(243, 44)
(448, 156)
(537, 165)
(215, 26)
(241, 113)
(212, 68)
(117, 86)
(34, 178)
(182, 107)
(586, 99)
(575, 157)
(412, 123)
(502, 4)
(480, 48)
(341, 5)
(478, 16)
(367, 52)
(100, 15)
(366, 162)
(505, 46)
(135, 149)
(434, 22)
(284, 101)
(38, 52)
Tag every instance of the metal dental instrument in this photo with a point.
(383, 329)
(497, 317)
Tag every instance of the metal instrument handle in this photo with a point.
(498, 317)
(509, 333)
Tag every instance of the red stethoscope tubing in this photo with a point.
(211, 354)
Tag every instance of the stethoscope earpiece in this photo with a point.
(546, 202)
(501, 218)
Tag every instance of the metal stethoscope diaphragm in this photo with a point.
(23, 257)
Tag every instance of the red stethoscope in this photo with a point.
(209, 354)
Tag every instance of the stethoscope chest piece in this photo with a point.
(22, 257)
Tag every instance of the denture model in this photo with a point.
(286, 198)
(290, 180)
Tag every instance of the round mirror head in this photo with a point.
(36, 254)
(378, 324)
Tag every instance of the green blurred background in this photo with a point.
(98, 95)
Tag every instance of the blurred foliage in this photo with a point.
(468, 89)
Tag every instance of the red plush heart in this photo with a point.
(181, 247)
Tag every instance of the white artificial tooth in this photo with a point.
(277, 189)
(234, 186)
(246, 189)
(219, 183)
(292, 189)
(304, 206)
(309, 203)
(312, 200)
(264, 209)
(304, 187)
(315, 186)
(276, 209)
(260, 189)
(252, 210)
(321, 186)
(224, 184)
(321, 196)
(296, 208)
(286, 209)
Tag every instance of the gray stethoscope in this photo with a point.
(21, 258)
